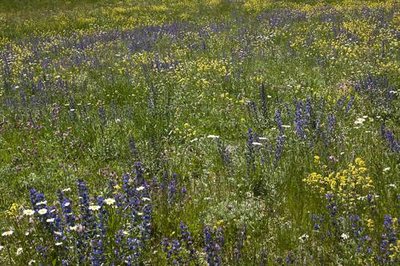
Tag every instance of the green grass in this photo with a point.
(84, 78)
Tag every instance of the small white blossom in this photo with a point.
(140, 188)
(8, 233)
(359, 121)
(41, 203)
(50, 220)
(42, 211)
(256, 143)
(109, 201)
(344, 236)
(77, 228)
(94, 207)
(19, 251)
(213, 137)
(58, 243)
(303, 237)
(28, 212)
(386, 169)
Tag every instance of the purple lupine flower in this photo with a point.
(299, 121)
(331, 123)
(240, 244)
(389, 238)
(388, 135)
(213, 245)
(139, 177)
(66, 209)
(187, 238)
(340, 102)
(308, 111)
(172, 189)
(134, 246)
(146, 221)
(280, 142)
(251, 137)
(317, 220)
(102, 115)
(263, 98)
(83, 193)
(102, 217)
(332, 206)
(278, 120)
(97, 257)
(350, 104)
(37, 199)
(355, 225)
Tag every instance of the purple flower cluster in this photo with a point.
(390, 139)
(213, 242)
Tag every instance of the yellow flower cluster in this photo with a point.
(349, 185)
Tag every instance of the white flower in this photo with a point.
(7, 233)
(19, 251)
(109, 201)
(73, 228)
(256, 143)
(28, 212)
(213, 137)
(386, 169)
(66, 189)
(31, 262)
(1, 248)
(344, 236)
(140, 213)
(51, 220)
(42, 211)
(303, 237)
(263, 138)
(286, 126)
(58, 243)
(359, 121)
(41, 203)
(117, 120)
(57, 233)
(94, 207)
(140, 188)
(145, 199)
(392, 185)
(77, 228)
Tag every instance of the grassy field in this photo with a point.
(208, 132)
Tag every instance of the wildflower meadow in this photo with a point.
(209, 132)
